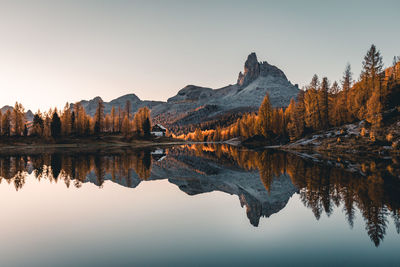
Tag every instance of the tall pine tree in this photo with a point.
(265, 117)
(99, 117)
(55, 125)
(323, 103)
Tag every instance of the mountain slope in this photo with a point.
(246, 95)
(195, 104)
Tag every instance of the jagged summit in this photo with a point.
(253, 69)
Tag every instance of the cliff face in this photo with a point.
(251, 71)
(254, 69)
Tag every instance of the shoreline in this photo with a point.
(87, 144)
(115, 142)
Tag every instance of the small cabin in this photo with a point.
(158, 130)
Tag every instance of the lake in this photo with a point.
(207, 205)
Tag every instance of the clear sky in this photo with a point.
(54, 51)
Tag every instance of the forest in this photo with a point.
(322, 105)
(75, 168)
(73, 121)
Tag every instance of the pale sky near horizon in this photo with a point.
(52, 52)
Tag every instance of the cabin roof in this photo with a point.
(159, 126)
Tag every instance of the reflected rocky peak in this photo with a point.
(264, 181)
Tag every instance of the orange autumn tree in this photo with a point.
(320, 106)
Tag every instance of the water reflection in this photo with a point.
(77, 168)
(264, 181)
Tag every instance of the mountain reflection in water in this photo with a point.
(264, 180)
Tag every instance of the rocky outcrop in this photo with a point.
(270, 70)
(251, 71)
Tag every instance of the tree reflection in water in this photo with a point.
(372, 187)
(79, 167)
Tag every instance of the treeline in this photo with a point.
(219, 121)
(73, 121)
(320, 105)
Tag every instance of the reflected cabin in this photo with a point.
(158, 130)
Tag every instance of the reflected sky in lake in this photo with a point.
(203, 205)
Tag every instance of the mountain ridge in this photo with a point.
(257, 79)
(197, 104)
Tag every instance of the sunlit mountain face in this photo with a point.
(263, 181)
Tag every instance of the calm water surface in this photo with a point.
(197, 205)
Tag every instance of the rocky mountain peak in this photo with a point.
(251, 70)
(271, 70)
(131, 97)
(97, 99)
